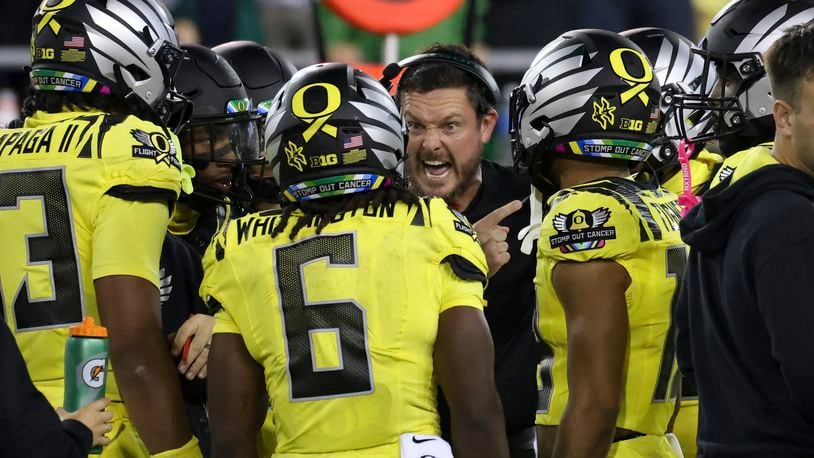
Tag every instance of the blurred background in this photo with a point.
(506, 34)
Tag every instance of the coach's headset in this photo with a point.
(392, 70)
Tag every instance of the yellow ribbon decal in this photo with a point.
(318, 121)
(48, 16)
(638, 85)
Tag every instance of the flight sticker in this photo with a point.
(582, 230)
(156, 146)
(461, 224)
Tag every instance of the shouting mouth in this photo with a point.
(435, 170)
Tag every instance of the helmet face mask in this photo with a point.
(738, 104)
(333, 130)
(739, 92)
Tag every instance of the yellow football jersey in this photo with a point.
(637, 227)
(344, 323)
(702, 170)
(58, 174)
(733, 162)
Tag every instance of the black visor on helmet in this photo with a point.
(226, 141)
(232, 142)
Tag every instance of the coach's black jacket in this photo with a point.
(746, 314)
(510, 302)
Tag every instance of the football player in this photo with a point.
(347, 307)
(86, 186)
(609, 254)
(679, 70)
(220, 140)
(740, 98)
(263, 73)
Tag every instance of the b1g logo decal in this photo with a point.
(638, 84)
(582, 230)
(93, 372)
(318, 120)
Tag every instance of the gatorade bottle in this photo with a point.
(86, 354)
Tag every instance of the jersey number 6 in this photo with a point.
(303, 320)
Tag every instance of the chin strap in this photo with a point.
(686, 200)
(530, 233)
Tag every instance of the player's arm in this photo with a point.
(126, 245)
(593, 297)
(464, 361)
(236, 397)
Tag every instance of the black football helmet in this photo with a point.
(589, 93)
(740, 101)
(124, 48)
(679, 70)
(333, 130)
(262, 70)
(263, 73)
(223, 128)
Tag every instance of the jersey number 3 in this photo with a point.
(35, 213)
(341, 321)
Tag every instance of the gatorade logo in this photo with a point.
(93, 372)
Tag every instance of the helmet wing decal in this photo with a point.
(374, 112)
(761, 30)
(138, 22)
(545, 58)
(560, 87)
(383, 136)
(769, 39)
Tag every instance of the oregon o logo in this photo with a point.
(638, 84)
(93, 372)
(318, 121)
(160, 142)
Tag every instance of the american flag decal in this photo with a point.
(354, 141)
(75, 42)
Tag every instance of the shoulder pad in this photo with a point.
(140, 153)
